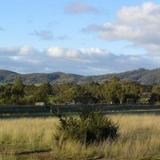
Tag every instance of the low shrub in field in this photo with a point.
(87, 128)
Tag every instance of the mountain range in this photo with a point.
(143, 76)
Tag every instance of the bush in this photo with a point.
(87, 128)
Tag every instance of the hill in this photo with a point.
(142, 76)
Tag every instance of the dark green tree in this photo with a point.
(18, 87)
(17, 91)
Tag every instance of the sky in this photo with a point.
(87, 37)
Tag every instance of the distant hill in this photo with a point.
(142, 76)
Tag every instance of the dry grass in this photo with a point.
(139, 139)
(27, 134)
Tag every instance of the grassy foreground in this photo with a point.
(33, 139)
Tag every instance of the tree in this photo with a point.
(85, 95)
(64, 93)
(18, 87)
(113, 92)
(42, 92)
(132, 91)
(5, 94)
(47, 88)
(155, 94)
(17, 91)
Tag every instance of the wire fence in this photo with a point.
(76, 108)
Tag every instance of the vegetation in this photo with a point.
(89, 128)
(138, 139)
(113, 91)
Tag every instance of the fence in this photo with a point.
(57, 109)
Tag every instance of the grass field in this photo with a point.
(33, 139)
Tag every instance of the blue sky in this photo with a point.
(79, 36)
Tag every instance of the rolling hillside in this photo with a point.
(142, 76)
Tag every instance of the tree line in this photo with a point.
(113, 91)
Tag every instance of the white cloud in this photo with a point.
(94, 51)
(55, 51)
(17, 52)
(136, 24)
(62, 52)
(75, 54)
(80, 61)
(25, 50)
(77, 7)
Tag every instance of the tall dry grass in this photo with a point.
(27, 134)
(139, 138)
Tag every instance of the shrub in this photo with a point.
(89, 127)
